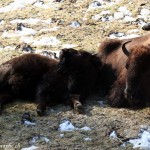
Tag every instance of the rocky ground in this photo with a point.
(51, 25)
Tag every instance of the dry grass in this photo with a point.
(102, 120)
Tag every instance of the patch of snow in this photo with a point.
(129, 36)
(2, 22)
(28, 123)
(143, 142)
(129, 19)
(24, 31)
(86, 128)
(124, 10)
(30, 148)
(61, 135)
(28, 21)
(141, 22)
(69, 45)
(145, 12)
(118, 15)
(9, 48)
(50, 4)
(97, 17)
(41, 138)
(48, 21)
(53, 41)
(87, 139)
(75, 24)
(133, 31)
(113, 135)
(17, 4)
(26, 39)
(68, 126)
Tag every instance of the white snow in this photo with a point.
(41, 138)
(28, 123)
(61, 135)
(145, 12)
(118, 15)
(2, 22)
(133, 31)
(120, 35)
(143, 142)
(28, 21)
(86, 128)
(113, 135)
(50, 4)
(30, 148)
(124, 10)
(96, 17)
(53, 41)
(87, 139)
(17, 4)
(129, 19)
(26, 39)
(68, 126)
(24, 31)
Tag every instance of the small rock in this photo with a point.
(95, 4)
(19, 26)
(146, 27)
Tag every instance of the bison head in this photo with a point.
(78, 67)
(137, 67)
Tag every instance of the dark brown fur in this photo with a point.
(32, 76)
(82, 70)
(126, 83)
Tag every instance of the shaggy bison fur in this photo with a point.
(126, 68)
(82, 70)
(32, 76)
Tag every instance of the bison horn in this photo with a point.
(125, 51)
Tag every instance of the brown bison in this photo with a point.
(126, 68)
(32, 76)
(82, 71)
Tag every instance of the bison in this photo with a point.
(126, 68)
(82, 71)
(35, 77)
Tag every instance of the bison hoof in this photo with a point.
(40, 112)
(78, 108)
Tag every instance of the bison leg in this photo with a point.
(77, 105)
(41, 109)
(116, 96)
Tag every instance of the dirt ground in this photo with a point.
(102, 119)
